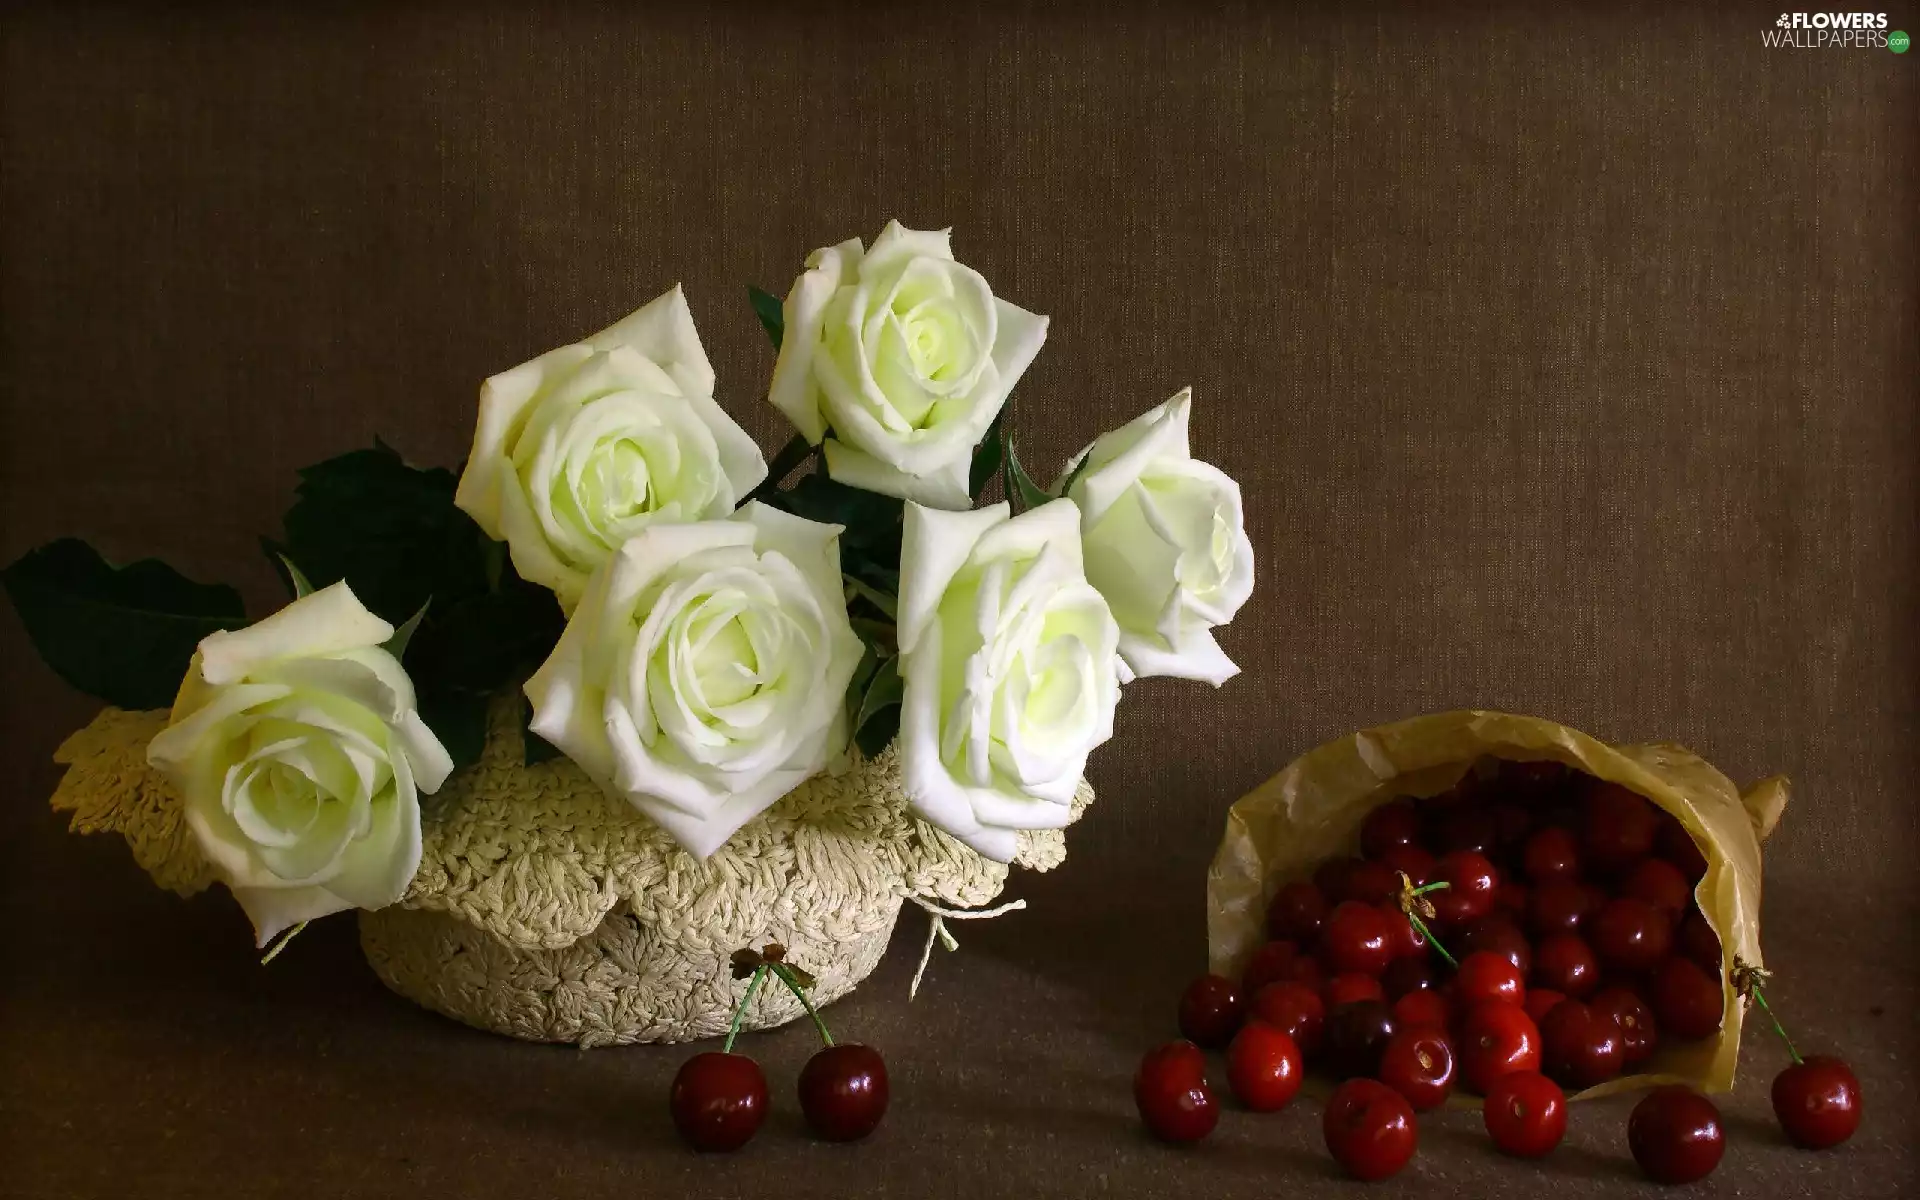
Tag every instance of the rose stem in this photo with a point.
(786, 977)
(753, 985)
(1761, 999)
(281, 944)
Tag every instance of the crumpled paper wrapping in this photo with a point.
(1312, 810)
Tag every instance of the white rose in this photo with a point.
(299, 753)
(1008, 657)
(1164, 543)
(704, 673)
(587, 445)
(905, 356)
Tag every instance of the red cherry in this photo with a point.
(1687, 1001)
(1418, 1063)
(1510, 898)
(1675, 1135)
(1639, 1036)
(1296, 913)
(1469, 894)
(1817, 1101)
(1677, 846)
(1561, 908)
(1372, 883)
(1331, 878)
(1660, 884)
(1551, 856)
(1566, 964)
(843, 1091)
(1580, 1046)
(1405, 975)
(1526, 1114)
(1210, 1011)
(1496, 1039)
(1631, 935)
(1415, 862)
(1264, 1067)
(1350, 989)
(1496, 934)
(1512, 823)
(1356, 1036)
(1466, 829)
(1369, 1129)
(1424, 1007)
(1406, 941)
(1540, 1002)
(1171, 1091)
(1485, 975)
(1274, 960)
(719, 1100)
(1388, 827)
(1699, 942)
(1357, 939)
(1617, 828)
(1295, 1010)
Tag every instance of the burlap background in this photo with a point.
(1568, 360)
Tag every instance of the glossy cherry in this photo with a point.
(1273, 961)
(1264, 1067)
(1561, 907)
(1171, 1091)
(1467, 828)
(1427, 1006)
(1817, 1101)
(1551, 855)
(1484, 975)
(1351, 989)
(1675, 1135)
(1356, 1036)
(1471, 879)
(1409, 974)
(1418, 1063)
(1331, 878)
(1659, 883)
(1369, 1129)
(1416, 862)
(1639, 1033)
(1403, 940)
(719, 1100)
(1295, 1010)
(1699, 942)
(1357, 938)
(1540, 1002)
(1495, 933)
(1296, 913)
(1495, 1039)
(1630, 935)
(1392, 825)
(1686, 1000)
(1566, 964)
(1526, 1114)
(1617, 829)
(844, 1092)
(1210, 1011)
(1580, 1046)
(1372, 883)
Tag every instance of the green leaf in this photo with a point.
(987, 457)
(879, 717)
(459, 719)
(886, 602)
(872, 521)
(397, 644)
(302, 586)
(772, 314)
(880, 636)
(125, 635)
(797, 451)
(1029, 494)
(1079, 469)
(534, 748)
(485, 642)
(390, 530)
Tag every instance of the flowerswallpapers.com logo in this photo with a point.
(1833, 31)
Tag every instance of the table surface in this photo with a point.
(1566, 356)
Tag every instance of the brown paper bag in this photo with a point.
(1311, 812)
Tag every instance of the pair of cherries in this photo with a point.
(719, 1098)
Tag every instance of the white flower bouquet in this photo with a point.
(667, 701)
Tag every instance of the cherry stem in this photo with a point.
(753, 985)
(786, 977)
(1761, 999)
(1406, 906)
(1420, 928)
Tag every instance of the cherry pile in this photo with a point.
(1528, 933)
(719, 1098)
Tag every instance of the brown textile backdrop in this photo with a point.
(1568, 360)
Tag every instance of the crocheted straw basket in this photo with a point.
(546, 911)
